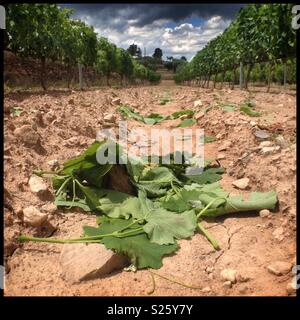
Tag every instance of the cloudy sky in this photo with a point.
(178, 29)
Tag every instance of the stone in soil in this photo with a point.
(278, 234)
(199, 115)
(269, 150)
(265, 144)
(33, 217)
(116, 101)
(27, 135)
(241, 183)
(198, 103)
(292, 286)
(229, 275)
(225, 145)
(37, 185)
(265, 213)
(82, 261)
(109, 118)
(53, 164)
(221, 156)
(279, 268)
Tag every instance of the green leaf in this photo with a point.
(116, 208)
(207, 176)
(187, 123)
(248, 111)
(208, 139)
(178, 114)
(256, 201)
(163, 226)
(141, 252)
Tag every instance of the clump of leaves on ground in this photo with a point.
(169, 202)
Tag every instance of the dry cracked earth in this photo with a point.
(258, 250)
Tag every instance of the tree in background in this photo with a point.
(125, 64)
(157, 54)
(106, 58)
(35, 30)
(134, 50)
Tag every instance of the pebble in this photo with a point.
(241, 183)
(27, 135)
(53, 164)
(278, 234)
(265, 213)
(227, 284)
(198, 103)
(71, 101)
(265, 144)
(116, 101)
(199, 115)
(269, 150)
(37, 184)
(109, 118)
(82, 261)
(292, 286)
(225, 145)
(33, 217)
(279, 268)
(221, 156)
(229, 275)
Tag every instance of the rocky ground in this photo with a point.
(258, 250)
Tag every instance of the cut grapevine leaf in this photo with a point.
(138, 248)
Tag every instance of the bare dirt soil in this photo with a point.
(61, 124)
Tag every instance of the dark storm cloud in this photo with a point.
(145, 14)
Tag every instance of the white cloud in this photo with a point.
(184, 39)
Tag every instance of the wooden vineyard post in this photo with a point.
(80, 76)
(241, 76)
(284, 74)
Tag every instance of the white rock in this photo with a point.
(27, 135)
(87, 261)
(253, 123)
(278, 234)
(265, 213)
(109, 118)
(209, 269)
(116, 101)
(221, 156)
(279, 267)
(225, 145)
(37, 184)
(206, 289)
(265, 144)
(229, 275)
(199, 115)
(33, 217)
(241, 183)
(227, 284)
(198, 103)
(53, 164)
(292, 286)
(269, 150)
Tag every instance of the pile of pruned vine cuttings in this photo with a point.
(161, 205)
